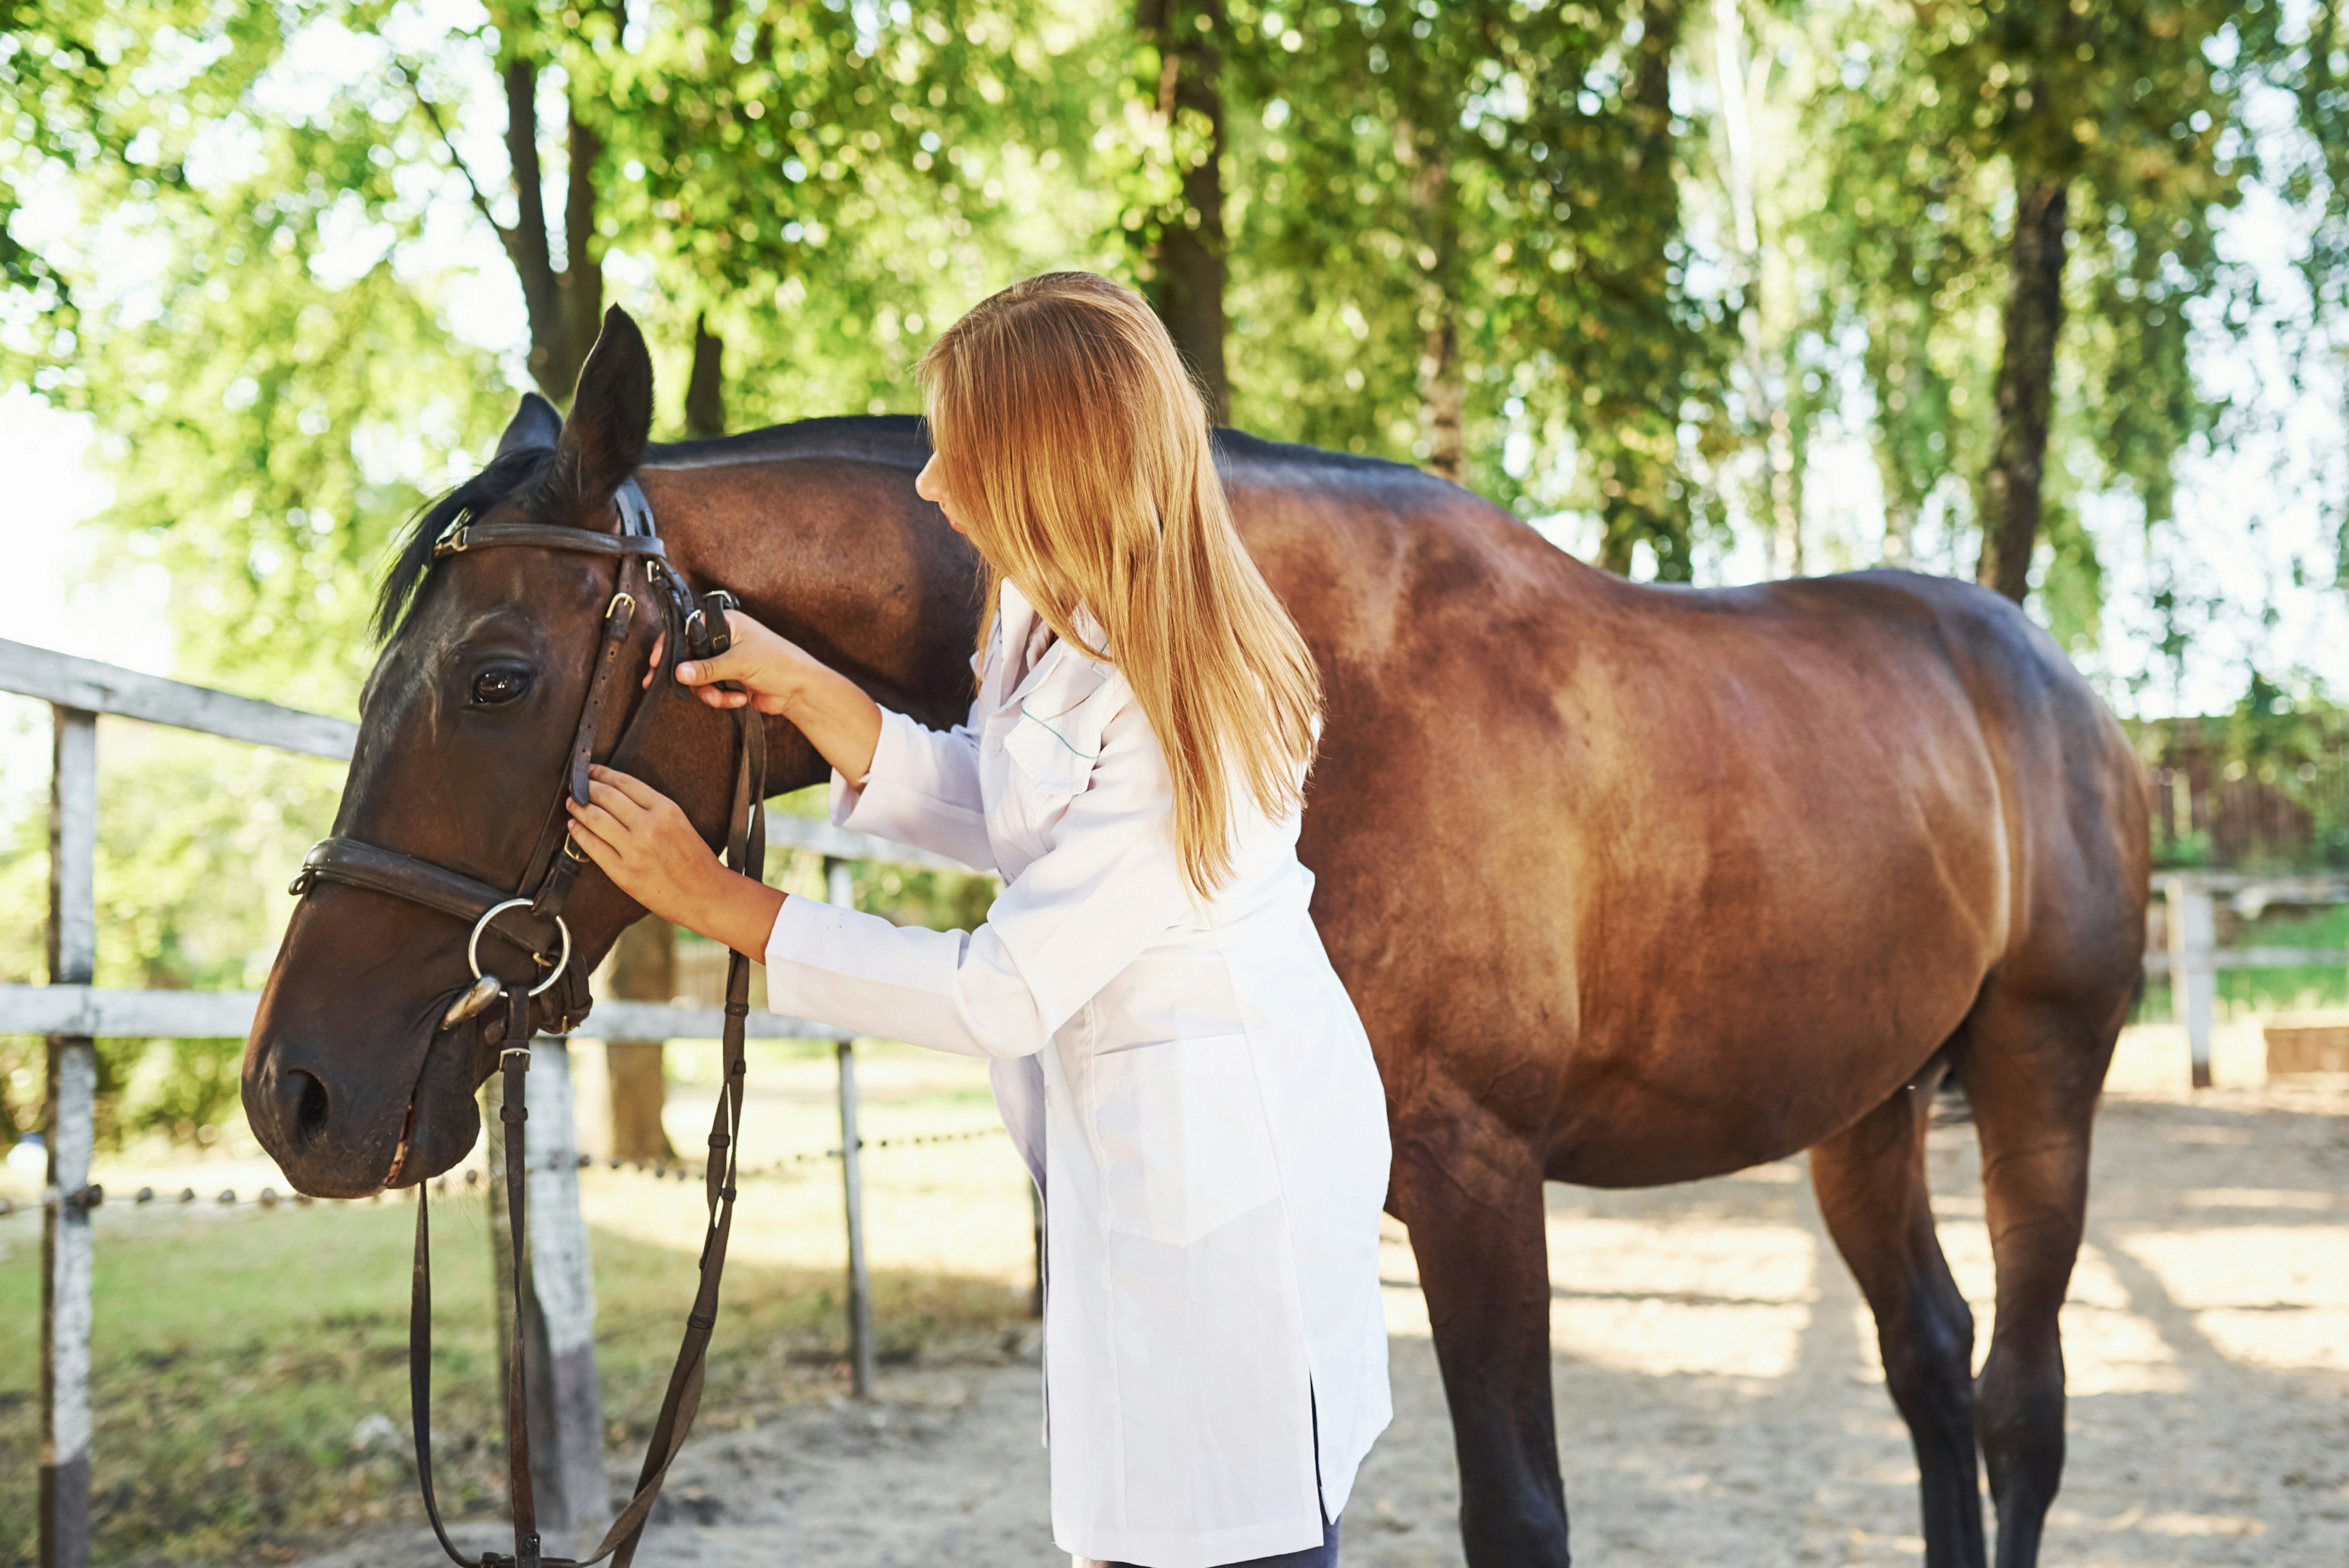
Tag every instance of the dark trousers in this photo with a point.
(1322, 1556)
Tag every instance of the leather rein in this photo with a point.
(531, 918)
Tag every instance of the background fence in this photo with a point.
(2254, 791)
(73, 1014)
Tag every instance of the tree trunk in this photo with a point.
(2034, 313)
(1442, 397)
(644, 969)
(1739, 83)
(1899, 535)
(1633, 484)
(583, 268)
(566, 306)
(704, 388)
(1442, 394)
(1185, 280)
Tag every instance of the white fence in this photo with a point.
(2192, 956)
(73, 1014)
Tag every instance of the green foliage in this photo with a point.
(1934, 121)
(1500, 174)
(829, 198)
(279, 388)
(88, 95)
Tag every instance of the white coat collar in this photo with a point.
(1019, 624)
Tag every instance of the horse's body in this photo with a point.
(1632, 884)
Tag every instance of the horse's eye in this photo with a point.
(494, 687)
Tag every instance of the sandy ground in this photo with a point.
(1720, 1400)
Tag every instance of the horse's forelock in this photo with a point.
(507, 472)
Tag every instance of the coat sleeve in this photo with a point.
(1109, 886)
(923, 790)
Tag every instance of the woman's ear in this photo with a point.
(610, 415)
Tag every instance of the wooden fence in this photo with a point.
(567, 1430)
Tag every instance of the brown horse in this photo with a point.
(1632, 884)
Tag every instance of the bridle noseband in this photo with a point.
(531, 918)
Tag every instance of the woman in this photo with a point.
(1169, 1046)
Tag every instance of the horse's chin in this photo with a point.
(443, 1121)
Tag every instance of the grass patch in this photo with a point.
(236, 1354)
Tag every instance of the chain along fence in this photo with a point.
(73, 1014)
(470, 1177)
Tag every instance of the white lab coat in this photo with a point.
(1190, 1087)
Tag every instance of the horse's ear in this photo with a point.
(610, 414)
(534, 424)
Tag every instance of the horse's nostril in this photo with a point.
(310, 1109)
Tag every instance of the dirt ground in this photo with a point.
(1719, 1396)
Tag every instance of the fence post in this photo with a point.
(839, 890)
(2193, 976)
(564, 1394)
(71, 1110)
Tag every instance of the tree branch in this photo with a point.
(480, 200)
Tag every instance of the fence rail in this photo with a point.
(74, 1013)
(201, 1015)
(83, 685)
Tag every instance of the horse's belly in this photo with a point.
(1751, 1026)
(1719, 1106)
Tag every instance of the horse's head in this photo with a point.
(466, 729)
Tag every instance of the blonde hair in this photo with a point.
(1076, 448)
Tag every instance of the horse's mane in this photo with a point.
(894, 440)
(897, 440)
(507, 472)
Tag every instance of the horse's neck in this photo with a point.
(840, 555)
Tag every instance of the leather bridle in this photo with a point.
(530, 918)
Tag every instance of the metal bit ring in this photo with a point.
(473, 944)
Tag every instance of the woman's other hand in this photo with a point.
(641, 840)
(771, 670)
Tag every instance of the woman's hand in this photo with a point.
(779, 676)
(771, 670)
(640, 839)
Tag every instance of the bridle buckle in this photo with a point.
(707, 641)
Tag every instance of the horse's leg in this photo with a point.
(1471, 1197)
(1870, 1179)
(2033, 1073)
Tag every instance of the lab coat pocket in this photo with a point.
(1054, 756)
(1051, 763)
(1185, 1145)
